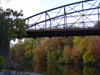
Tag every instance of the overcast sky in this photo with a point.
(31, 7)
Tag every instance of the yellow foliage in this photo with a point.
(83, 45)
(77, 39)
(83, 48)
(34, 46)
(88, 57)
(28, 47)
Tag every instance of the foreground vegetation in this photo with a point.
(11, 27)
(73, 49)
(2, 62)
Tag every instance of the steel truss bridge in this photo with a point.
(75, 19)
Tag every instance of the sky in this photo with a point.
(31, 7)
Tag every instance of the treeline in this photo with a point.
(72, 49)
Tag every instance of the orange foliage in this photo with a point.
(37, 53)
(56, 43)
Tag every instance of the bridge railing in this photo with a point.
(84, 14)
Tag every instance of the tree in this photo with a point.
(29, 47)
(83, 45)
(66, 41)
(11, 26)
(46, 46)
(54, 55)
(75, 53)
(96, 47)
(67, 54)
(17, 52)
(79, 48)
(83, 49)
(56, 43)
(59, 53)
(37, 53)
(89, 57)
(77, 39)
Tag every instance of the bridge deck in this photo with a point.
(63, 32)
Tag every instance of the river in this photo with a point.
(60, 69)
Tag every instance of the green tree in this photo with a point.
(54, 55)
(50, 58)
(11, 26)
(59, 52)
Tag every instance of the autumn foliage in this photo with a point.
(76, 49)
(96, 48)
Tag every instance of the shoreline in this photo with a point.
(13, 72)
(81, 64)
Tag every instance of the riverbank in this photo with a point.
(12, 72)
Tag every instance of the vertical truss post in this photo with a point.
(83, 15)
(64, 18)
(49, 18)
(28, 21)
(35, 27)
(50, 24)
(45, 19)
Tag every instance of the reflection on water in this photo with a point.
(57, 69)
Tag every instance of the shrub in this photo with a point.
(2, 62)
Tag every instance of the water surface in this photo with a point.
(58, 69)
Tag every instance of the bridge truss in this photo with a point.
(84, 14)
